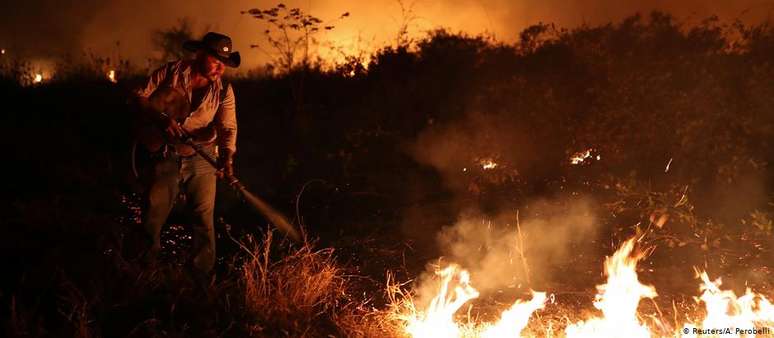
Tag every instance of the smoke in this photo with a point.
(483, 160)
(516, 250)
(510, 252)
(553, 239)
(459, 150)
(44, 28)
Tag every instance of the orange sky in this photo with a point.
(47, 27)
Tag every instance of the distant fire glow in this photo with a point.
(38, 78)
(2, 51)
(488, 164)
(581, 156)
(112, 76)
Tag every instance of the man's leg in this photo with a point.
(201, 191)
(164, 188)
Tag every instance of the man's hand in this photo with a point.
(171, 128)
(226, 164)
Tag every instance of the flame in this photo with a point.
(438, 319)
(580, 156)
(488, 163)
(38, 78)
(2, 51)
(751, 315)
(618, 299)
(732, 316)
(514, 320)
(111, 75)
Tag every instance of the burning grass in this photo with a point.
(723, 314)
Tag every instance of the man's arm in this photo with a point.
(226, 123)
(146, 110)
(143, 93)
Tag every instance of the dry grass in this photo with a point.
(302, 294)
(275, 290)
(76, 309)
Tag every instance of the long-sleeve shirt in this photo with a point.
(210, 113)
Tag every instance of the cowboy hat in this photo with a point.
(217, 45)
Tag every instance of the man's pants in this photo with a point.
(197, 179)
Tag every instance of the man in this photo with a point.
(209, 117)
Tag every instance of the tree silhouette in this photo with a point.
(170, 40)
(290, 33)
